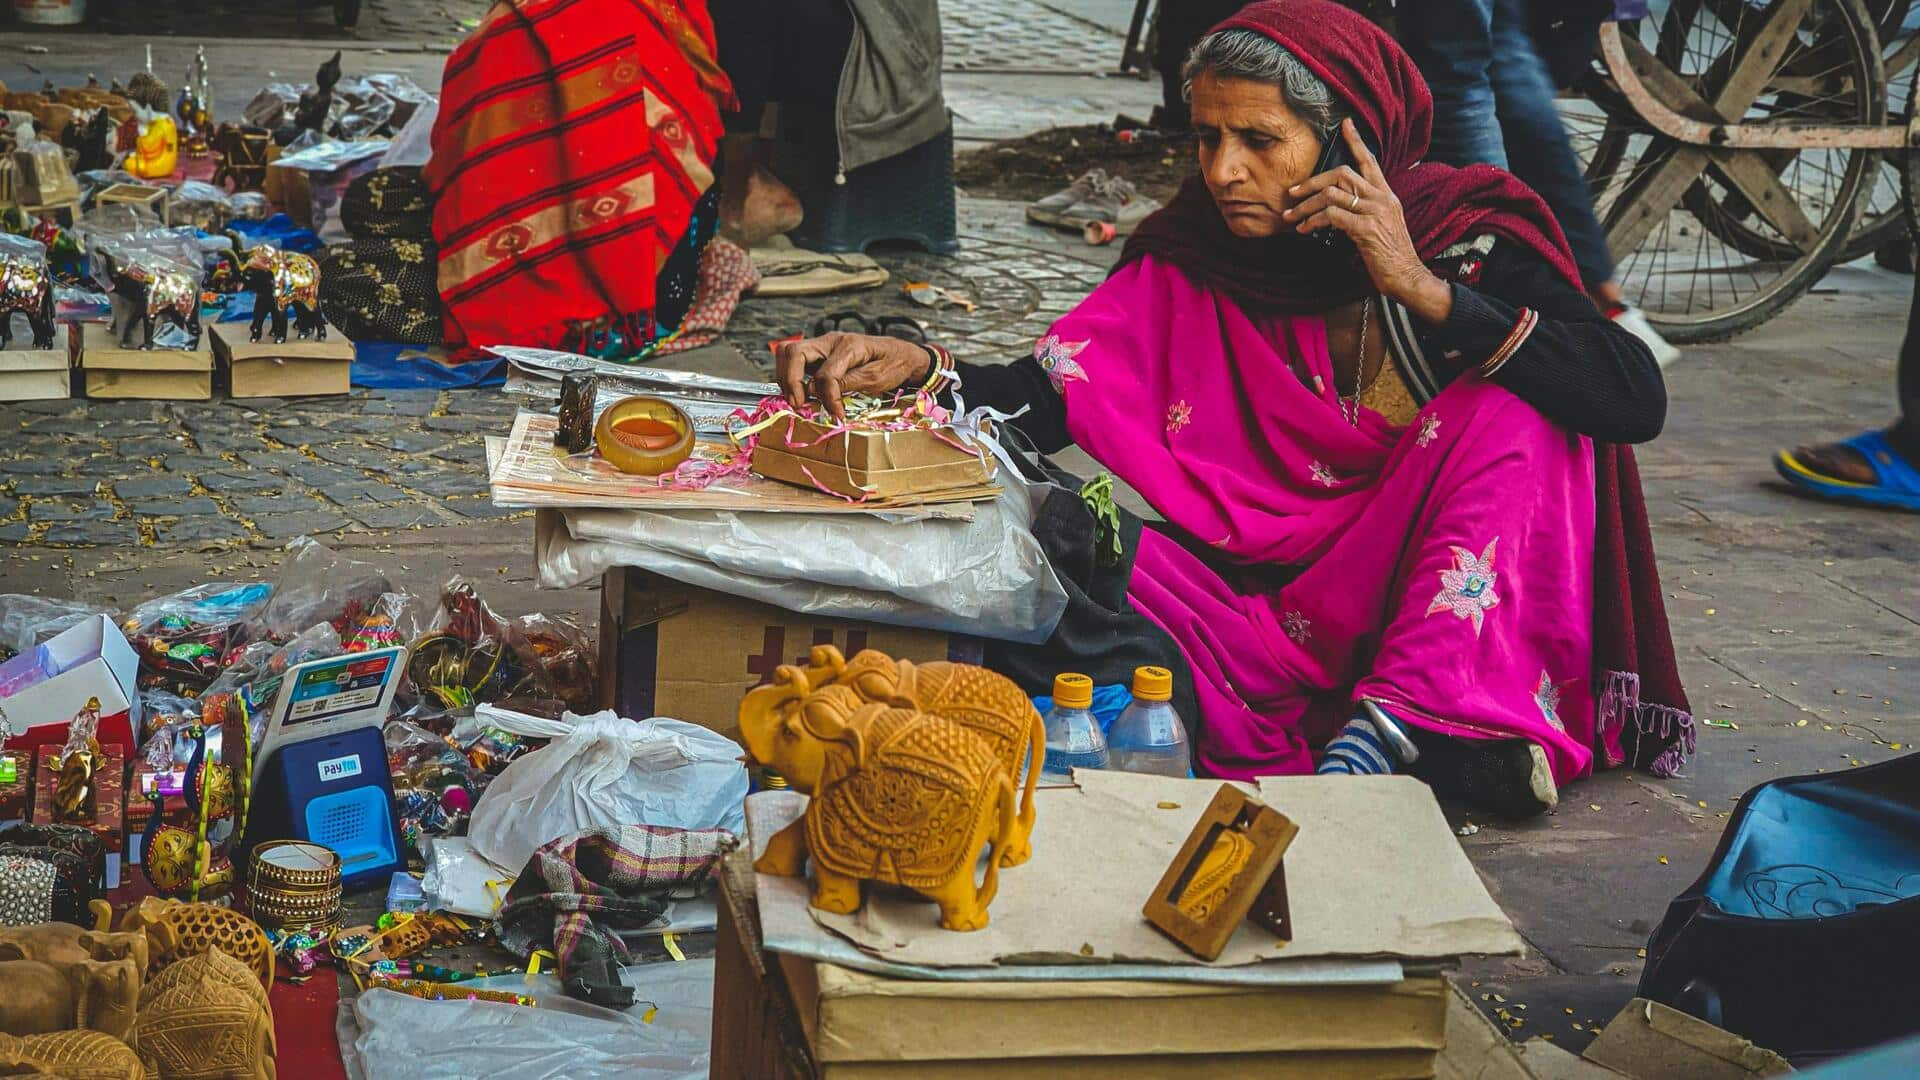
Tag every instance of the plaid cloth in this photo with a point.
(576, 891)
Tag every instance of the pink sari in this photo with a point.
(1445, 569)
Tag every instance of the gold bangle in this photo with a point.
(1522, 329)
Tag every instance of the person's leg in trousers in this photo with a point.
(1538, 150)
(1846, 463)
(1452, 43)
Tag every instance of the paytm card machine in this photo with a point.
(321, 772)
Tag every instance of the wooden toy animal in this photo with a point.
(903, 798)
(91, 994)
(278, 280)
(90, 1054)
(984, 702)
(155, 294)
(65, 943)
(205, 1016)
(26, 287)
(175, 930)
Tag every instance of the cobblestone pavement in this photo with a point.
(173, 474)
(1022, 35)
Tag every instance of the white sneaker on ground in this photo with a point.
(1634, 321)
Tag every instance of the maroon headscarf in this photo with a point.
(1389, 101)
(1644, 715)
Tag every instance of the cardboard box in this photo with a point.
(292, 368)
(904, 1027)
(881, 464)
(668, 649)
(170, 374)
(94, 661)
(107, 817)
(29, 374)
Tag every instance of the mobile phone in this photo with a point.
(1333, 155)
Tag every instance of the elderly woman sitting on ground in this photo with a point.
(1380, 418)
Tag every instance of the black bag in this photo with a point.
(393, 201)
(382, 289)
(1803, 932)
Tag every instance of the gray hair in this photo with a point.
(1248, 54)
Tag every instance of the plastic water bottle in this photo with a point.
(1074, 738)
(1148, 736)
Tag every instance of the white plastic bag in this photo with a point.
(987, 577)
(609, 771)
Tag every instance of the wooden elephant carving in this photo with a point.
(902, 798)
(65, 943)
(92, 995)
(984, 702)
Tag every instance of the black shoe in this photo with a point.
(1508, 777)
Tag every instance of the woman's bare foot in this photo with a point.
(763, 208)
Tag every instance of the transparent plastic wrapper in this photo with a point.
(26, 621)
(318, 584)
(164, 729)
(30, 668)
(249, 685)
(390, 1036)
(200, 205)
(81, 305)
(604, 770)
(986, 577)
(23, 248)
(413, 143)
(332, 164)
(472, 655)
(41, 175)
(568, 654)
(272, 106)
(459, 879)
(434, 786)
(364, 109)
(409, 97)
(248, 206)
(185, 639)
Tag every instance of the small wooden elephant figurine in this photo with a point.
(26, 288)
(95, 995)
(156, 294)
(65, 943)
(279, 280)
(984, 702)
(903, 798)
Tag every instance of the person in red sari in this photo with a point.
(574, 142)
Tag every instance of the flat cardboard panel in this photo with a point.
(1477, 1049)
(692, 653)
(1648, 1039)
(113, 372)
(853, 1016)
(1353, 1065)
(1375, 871)
(292, 368)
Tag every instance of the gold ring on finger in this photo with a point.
(1356, 201)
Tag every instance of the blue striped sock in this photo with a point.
(1358, 751)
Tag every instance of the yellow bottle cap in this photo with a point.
(1073, 691)
(1152, 684)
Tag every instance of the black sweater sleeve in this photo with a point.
(1582, 370)
(1009, 388)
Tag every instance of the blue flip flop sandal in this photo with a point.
(1897, 482)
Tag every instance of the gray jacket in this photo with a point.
(890, 98)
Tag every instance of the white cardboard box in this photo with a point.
(104, 665)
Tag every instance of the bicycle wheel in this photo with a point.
(1883, 208)
(1710, 241)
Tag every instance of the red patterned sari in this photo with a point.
(573, 140)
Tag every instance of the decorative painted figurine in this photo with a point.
(65, 257)
(156, 294)
(310, 114)
(91, 138)
(984, 702)
(278, 280)
(156, 150)
(25, 287)
(903, 798)
(80, 758)
(195, 108)
(180, 861)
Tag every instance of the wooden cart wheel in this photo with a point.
(1711, 241)
(1881, 210)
